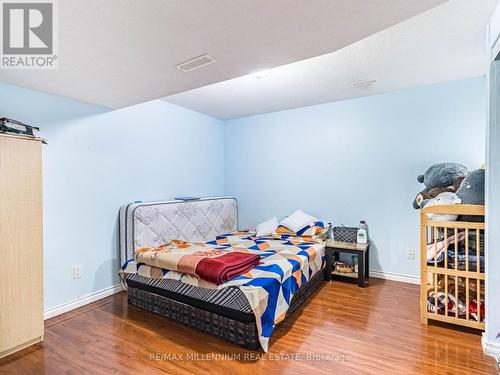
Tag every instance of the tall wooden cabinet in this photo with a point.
(21, 258)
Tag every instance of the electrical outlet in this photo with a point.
(77, 271)
(411, 254)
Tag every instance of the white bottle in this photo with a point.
(362, 237)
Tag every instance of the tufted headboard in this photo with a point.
(154, 223)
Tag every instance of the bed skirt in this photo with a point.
(241, 333)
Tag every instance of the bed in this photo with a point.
(231, 311)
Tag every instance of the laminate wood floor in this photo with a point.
(342, 329)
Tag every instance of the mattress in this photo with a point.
(193, 220)
(154, 223)
(230, 302)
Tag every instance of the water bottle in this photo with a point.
(362, 236)
(329, 233)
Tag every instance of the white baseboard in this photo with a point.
(395, 277)
(491, 348)
(82, 301)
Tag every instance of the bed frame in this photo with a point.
(238, 332)
(150, 224)
(435, 273)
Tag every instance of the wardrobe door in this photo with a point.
(21, 259)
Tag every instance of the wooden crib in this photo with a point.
(452, 266)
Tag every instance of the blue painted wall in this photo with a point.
(98, 160)
(344, 161)
(356, 159)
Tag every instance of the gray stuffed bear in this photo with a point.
(471, 190)
(439, 178)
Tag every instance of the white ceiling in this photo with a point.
(442, 44)
(117, 53)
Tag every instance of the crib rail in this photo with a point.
(452, 266)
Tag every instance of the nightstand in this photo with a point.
(334, 248)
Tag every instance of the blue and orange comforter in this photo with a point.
(285, 264)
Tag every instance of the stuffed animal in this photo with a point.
(439, 178)
(444, 198)
(422, 197)
(471, 191)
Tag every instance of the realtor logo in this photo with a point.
(28, 34)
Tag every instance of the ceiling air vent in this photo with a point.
(363, 83)
(195, 63)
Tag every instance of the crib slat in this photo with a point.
(435, 245)
(446, 295)
(467, 298)
(456, 248)
(466, 250)
(456, 297)
(445, 266)
(478, 296)
(445, 248)
(478, 251)
(436, 301)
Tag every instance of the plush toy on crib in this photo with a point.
(472, 191)
(439, 178)
(467, 188)
(444, 198)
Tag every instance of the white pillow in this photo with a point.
(298, 220)
(267, 227)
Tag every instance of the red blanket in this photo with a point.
(226, 267)
(213, 265)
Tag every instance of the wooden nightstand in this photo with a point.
(334, 248)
